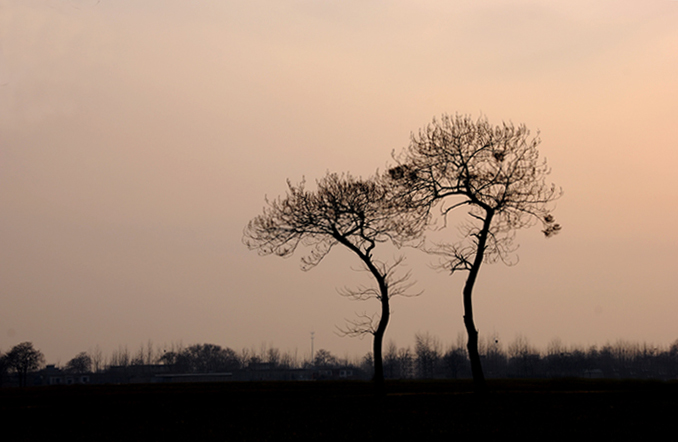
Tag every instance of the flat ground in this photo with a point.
(435, 410)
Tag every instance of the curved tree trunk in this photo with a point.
(378, 344)
(479, 383)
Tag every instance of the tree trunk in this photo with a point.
(378, 344)
(479, 384)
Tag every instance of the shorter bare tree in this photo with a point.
(355, 213)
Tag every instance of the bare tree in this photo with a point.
(210, 358)
(289, 360)
(325, 359)
(121, 357)
(24, 358)
(81, 363)
(454, 361)
(429, 355)
(138, 358)
(201, 358)
(495, 171)
(4, 367)
(523, 356)
(391, 369)
(273, 357)
(151, 355)
(247, 357)
(98, 361)
(355, 213)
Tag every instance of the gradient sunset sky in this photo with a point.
(138, 138)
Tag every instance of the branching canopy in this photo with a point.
(354, 212)
(496, 170)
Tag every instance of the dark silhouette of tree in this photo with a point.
(23, 359)
(81, 363)
(4, 367)
(398, 363)
(171, 359)
(355, 213)
(495, 362)
(121, 357)
(523, 358)
(144, 355)
(97, 357)
(406, 364)
(454, 361)
(429, 355)
(211, 358)
(673, 349)
(324, 359)
(495, 171)
(201, 358)
(367, 365)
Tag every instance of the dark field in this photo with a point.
(436, 410)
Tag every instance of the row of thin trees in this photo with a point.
(620, 360)
(427, 359)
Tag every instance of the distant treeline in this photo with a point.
(429, 359)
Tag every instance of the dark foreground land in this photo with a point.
(435, 410)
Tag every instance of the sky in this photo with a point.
(138, 138)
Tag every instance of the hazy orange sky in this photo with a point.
(138, 138)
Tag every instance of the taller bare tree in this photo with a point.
(495, 171)
(355, 213)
